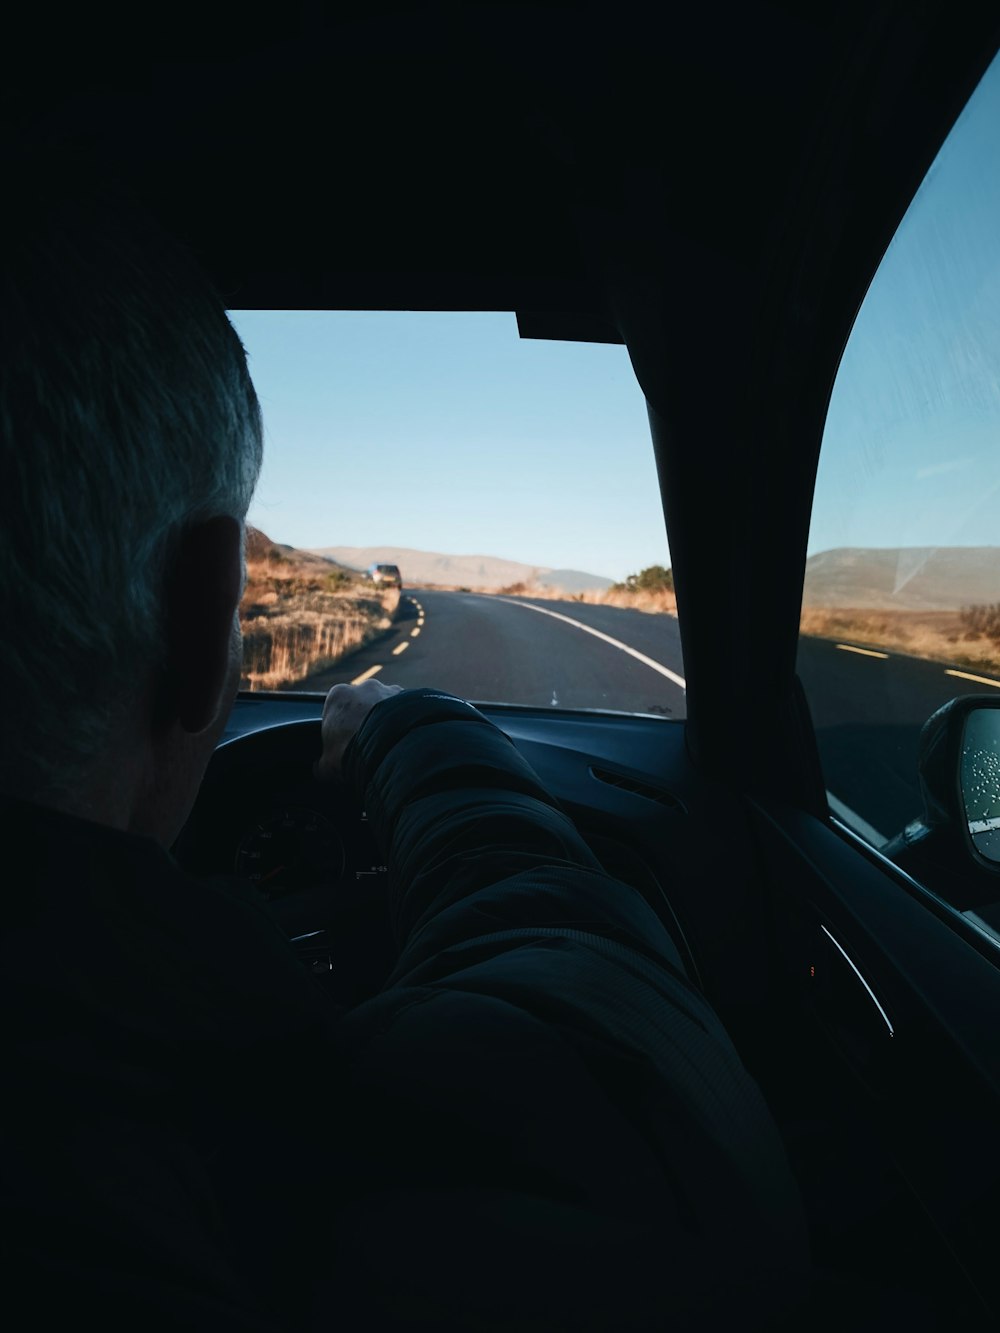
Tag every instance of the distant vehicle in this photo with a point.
(385, 576)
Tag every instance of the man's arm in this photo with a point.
(538, 1087)
(462, 812)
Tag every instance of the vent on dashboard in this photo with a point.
(638, 788)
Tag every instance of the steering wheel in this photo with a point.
(300, 848)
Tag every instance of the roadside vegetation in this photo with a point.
(969, 637)
(652, 589)
(301, 613)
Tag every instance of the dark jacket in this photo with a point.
(537, 1123)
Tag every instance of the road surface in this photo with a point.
(867, 707)
(513, 650)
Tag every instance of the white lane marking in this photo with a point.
(414, 632)
(606, 638)
(865, 652)
(983, 825)
(855, 822)
(847, 958)
(401, 649)
(980, 680)
(367, 675)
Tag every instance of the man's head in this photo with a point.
(130, 443)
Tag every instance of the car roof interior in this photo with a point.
(712, 185)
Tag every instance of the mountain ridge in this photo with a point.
(468, 571)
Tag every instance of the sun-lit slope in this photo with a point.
(301, 612)
(940, 603)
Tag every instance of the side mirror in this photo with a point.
(954, 847)
(979, 779)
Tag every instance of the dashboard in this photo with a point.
(305, 849)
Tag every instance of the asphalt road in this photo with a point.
(867, 708)
(512, 650)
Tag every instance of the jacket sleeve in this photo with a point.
(564, 1131)
(467, 827)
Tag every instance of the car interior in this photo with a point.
(712, 188)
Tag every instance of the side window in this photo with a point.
(901, 608)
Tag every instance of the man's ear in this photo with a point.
(204, 586)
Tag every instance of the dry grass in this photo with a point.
(301, 614)
(657, 603)
(941, 636)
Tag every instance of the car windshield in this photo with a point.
(444, 503)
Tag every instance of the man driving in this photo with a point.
(538, 1122)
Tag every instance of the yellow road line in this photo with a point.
(980, 680)
(367, 675)
(865, 652)
(401, 649)
(414, 632)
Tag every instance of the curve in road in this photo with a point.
(868, 705)
(488, 650)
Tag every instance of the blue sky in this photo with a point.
(446, 432)
(911, 450)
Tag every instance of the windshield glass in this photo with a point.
(443, 503)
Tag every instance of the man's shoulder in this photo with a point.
(106, 938)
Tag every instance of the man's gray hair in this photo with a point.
(126, 414)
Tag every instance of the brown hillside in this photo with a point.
(302, 613)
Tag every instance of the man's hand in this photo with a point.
(345, 709)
